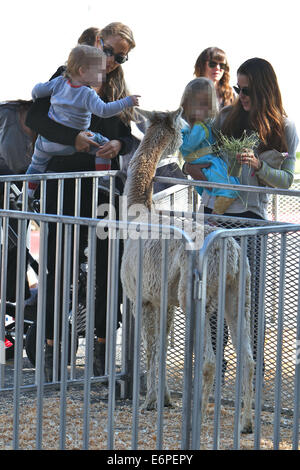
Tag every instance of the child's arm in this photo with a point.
(193, 138)
(43, 89)
(98, 107)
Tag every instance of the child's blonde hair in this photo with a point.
(83, 56)
(200, 85)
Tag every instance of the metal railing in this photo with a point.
(277, 324)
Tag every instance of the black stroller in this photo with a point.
(30, 309)
(30, 294)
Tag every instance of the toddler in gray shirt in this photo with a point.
(72, 104)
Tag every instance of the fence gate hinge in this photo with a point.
(197, 286)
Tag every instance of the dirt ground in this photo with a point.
(122, 425)
(147, 421)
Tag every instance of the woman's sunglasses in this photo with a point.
(245, 90)
(109, 52)
(212, 64)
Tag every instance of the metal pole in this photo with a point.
(4, 256)
(137, 346)
(75, 277)
(260, 345)
(18, 357)
(112, 343)
(162, 343)
(278, 378)
(192, 310)
(65, 334)
(220, 340)
(199, 359)
(90, 320)
(297, 376)
(57, 285)
(239, 361)
(40, 334)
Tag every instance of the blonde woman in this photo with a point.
(116, 40)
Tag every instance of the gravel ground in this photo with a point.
(147, 421)
(123, 423)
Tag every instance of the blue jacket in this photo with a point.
(196, 148)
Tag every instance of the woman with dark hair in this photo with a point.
(259, 109)
(212, 63)
(116, 40)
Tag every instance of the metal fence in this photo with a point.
(279, 358)
(109, 416)
(286, 208)
(283, 206)
(182, 198)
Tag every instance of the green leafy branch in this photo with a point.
(231, 146)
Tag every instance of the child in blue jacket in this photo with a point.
(199, 104)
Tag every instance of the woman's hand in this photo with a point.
(195, 170)
(83, 142)
(248, 157)
(110, 149)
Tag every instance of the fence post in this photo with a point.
(192, 312)
(18, 353)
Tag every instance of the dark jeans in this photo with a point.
(66, 164)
